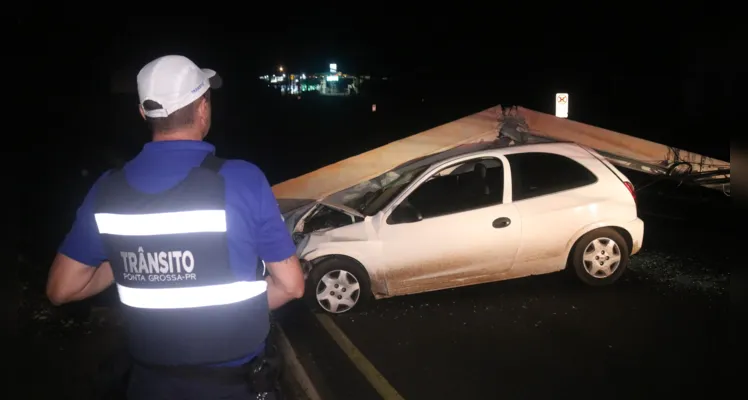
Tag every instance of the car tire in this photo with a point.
(353, 284)
(600, 257)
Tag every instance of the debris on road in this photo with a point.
(679, 272)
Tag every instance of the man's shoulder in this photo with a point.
(242, 172)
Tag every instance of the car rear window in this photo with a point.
(538, 174)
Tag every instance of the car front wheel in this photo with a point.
(600, 257)
(338, 286)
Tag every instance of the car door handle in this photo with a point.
(502, 222)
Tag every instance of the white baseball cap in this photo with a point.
(173, 82)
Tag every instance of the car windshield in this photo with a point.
(376, 200)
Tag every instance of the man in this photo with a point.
(181, 231)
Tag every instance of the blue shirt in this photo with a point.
(254, 226)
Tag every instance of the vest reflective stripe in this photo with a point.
(201, 296)
(162, 223)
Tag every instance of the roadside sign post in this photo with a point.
(562, 105)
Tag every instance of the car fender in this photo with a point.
(321, 252)
(589, 228)
(377, 279)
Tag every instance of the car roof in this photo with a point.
(494, 147)
(570, 149)
(458, 151)
(565, 147)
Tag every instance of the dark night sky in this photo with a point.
(666, 76)
(642, 44)
(663, 71)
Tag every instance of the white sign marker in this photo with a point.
(562, 105)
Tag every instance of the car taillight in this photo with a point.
(630, 187)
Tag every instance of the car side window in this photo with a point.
(473, 184)
(538, 174)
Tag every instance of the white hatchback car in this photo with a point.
(471, 215)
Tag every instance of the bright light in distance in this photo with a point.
(280, 69)
(332, 78)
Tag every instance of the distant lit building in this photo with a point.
(331, 83)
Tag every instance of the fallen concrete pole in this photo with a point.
(520, 124)
(354, 170)
(604, 140)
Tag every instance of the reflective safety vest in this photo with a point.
(169, 254)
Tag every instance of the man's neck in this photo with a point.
(176, 135)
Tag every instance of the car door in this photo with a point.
(555, 197)
(466, 235)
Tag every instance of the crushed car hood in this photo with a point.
(342, 208)
(297, 217)
(292, 216)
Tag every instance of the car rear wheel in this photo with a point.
(600, 257)
(338, 286)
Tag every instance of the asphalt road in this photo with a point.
(660, 331)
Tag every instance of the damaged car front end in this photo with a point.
(338, 240)
(309, 224)
(341, 216)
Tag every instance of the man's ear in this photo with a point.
(204, 108)
(142, 111)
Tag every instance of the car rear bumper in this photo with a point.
(636, 230)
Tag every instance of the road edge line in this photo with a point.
(367, 369)
(293, 365)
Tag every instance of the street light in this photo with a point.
(280, 68)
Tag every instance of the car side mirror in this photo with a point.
(404, 213)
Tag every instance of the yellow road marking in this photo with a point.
(294, 366)
(371, 374)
